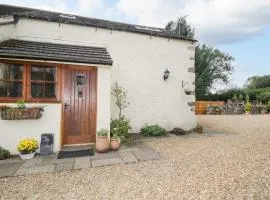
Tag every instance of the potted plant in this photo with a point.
(248, 108)
(102, 141)
(115, 142)
(27, 148)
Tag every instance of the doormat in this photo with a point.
(75, 154)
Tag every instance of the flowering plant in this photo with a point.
(28, 145)
(248, 107)
(4, 108)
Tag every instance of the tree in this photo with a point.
(181, 27)
(211, 66)
(121, 98)
(256, 82)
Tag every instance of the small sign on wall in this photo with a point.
(46, 143)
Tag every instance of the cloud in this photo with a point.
(51, 5)
(215, 21)
(90, 4)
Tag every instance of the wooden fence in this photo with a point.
(201, 106)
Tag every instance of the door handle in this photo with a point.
(66, 105)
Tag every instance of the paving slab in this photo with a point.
(63, 166)
(50, 163)
(127, 156)
(107, 155)
(82, 162)
(64, 161)
(11, 160)
(8, 169)
(49, 159)
(35, 170)
(31, 163)
(145, 153)
(108, 161)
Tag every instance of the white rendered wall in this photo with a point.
(7, 31)
(139, 63)
(103, 98)
(12, 131)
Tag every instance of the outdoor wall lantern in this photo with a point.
(166, 74)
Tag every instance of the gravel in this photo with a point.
(230, 161)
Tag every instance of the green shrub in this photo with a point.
(119, 128)
(260, 94)
(240, 97)
(4, 154)
(235, 98)
(248, 107)
(268, 106)
(153, 130)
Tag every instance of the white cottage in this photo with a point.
(67, 63)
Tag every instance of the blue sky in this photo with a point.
(252, 56)
(238, 27)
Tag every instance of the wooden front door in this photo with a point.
(79, 99)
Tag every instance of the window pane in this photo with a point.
(50, 74)
(4, 71)
(37, 73)
(50, 90)
(15, 89)
(3, 89)
(16, 72)
(37, 89)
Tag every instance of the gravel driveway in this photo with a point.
(230, 161)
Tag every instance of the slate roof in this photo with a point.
(22, 49)
(18, 12)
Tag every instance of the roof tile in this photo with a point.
(54, 52)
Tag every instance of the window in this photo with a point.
(11, 80)
(43, 81)
(30, 82)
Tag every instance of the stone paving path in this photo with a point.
(43, 164)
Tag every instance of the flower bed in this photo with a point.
(10, 113)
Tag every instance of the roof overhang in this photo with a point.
(51, 52)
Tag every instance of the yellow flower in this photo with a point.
(27, 145)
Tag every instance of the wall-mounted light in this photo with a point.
(166, 74)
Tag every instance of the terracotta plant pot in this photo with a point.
(115, 143)
(102, 144)
(247, 113)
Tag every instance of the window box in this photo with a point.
(10, 113)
